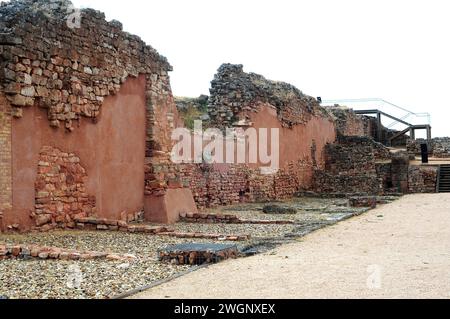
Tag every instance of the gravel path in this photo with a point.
(99, 278)
(105, 279)
(399, 250)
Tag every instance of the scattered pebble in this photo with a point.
(102, 279)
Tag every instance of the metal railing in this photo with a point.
(406, 115)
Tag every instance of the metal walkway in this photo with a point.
(410, 128)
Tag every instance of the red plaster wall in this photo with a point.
(112, 151)
(224, 184)
(167, 209)
(296, 142)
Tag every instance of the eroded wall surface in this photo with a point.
(350, 124)
(422, 179)
(111, 152)
(91, 91)
(239, 99)
(351, 167)
(5, 158)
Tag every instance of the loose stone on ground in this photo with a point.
(38, 278)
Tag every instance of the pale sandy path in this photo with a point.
(410, 242)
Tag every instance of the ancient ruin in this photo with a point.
(87, 115)
(87, 124)
(79, 105)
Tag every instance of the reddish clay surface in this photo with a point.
(296, 142)
(167, 209)
(112, 151)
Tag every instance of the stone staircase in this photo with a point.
(444, 179)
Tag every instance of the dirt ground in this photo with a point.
(399, 250)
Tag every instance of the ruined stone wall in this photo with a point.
(413, 146)
(358, 164)
(235, 94)
(239, 99)
(438, 147)
(441, 147)
(398, 176)
(61, 194)
(349, 123)
(220, 185)
(384, 173)
(213, 186)
(112, 154)
(68, 73)
(5, 158)
(400, 168)
(422, 179)
(351, 167)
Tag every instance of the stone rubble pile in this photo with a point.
(33, 251)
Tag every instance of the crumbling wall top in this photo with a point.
(68, 60)
(233, 91)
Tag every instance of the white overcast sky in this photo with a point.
(391, 49)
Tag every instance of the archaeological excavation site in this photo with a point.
(89, 190)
